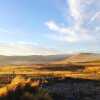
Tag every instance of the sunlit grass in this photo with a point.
(91, 71)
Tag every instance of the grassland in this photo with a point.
(72, 79)
(50, 82)
(83, 65)
(86, 70)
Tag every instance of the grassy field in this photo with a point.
(70, 81)
(86, 70)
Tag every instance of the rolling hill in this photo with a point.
(80, 58)
(32, 59)
(51, 59)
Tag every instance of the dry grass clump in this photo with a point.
(23, 89)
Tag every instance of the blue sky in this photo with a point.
(49, 26)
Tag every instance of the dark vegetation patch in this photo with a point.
(56, 89)
(74, 89)
(62, 67)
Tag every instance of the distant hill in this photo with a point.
(32, 59)
(52, 59)
(81, 57)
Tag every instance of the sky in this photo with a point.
(47, 27)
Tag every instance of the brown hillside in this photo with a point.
(80, 58)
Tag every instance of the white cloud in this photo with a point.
(24, 49)
(55, 27)
(74, 9)
(69, 34)
(66, 34)
(52, 25)
(85, 15)
(96, 17)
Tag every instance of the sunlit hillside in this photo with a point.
(81, 58)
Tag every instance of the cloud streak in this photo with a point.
(68, 34)
(86, 17)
